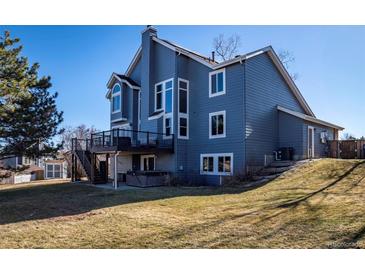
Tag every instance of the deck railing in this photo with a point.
(125, 139)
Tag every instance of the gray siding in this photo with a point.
(291, 134)
(320, 149)
(188, 151)
(265, 89)
(254, 126)
(127, 105)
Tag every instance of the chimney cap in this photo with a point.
(151, 29)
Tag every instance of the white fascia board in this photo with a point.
(114, 75)
(157, 116)
(181, 51)
(134, 61)
(269, 50)
(309, 118)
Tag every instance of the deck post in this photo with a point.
(115, 171)
(106, 167)
(92, 167)
(73, 167)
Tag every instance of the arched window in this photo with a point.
(116, 98)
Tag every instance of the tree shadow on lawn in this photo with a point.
(38, 202)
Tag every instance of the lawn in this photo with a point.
(319, 205)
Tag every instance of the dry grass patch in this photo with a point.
(319, 205)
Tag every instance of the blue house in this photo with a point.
(177, 115)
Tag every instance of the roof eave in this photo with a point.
(114, 75)
(309, 118)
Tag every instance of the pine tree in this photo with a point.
(28, 114)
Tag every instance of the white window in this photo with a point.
(53, 171)
(217, 124)
(158, 96)
(116, 98)
(148, 162)
(164, 100)
(216, 164)
(217, 82)
(183, 105)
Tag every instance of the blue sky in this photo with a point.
(330, 62)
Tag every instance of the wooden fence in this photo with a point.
(347, 149)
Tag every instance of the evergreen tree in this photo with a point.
(28, 114)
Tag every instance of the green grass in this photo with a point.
(318, 205)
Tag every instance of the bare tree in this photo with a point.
(226, 48)
(287, 58)
(348, 136)
(80, 132)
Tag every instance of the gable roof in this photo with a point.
(123, 79)
(282, 70)
(309, 118)
(136, 58)
(241, 58)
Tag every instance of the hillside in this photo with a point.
(318, 205)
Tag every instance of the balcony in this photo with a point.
(131, 141)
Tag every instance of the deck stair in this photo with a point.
(83, 156)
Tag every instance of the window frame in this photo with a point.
(162, 96)
(53, 170)
(119, 93)
(163, 106)
(181, 114)
(215, 157)
(217, 113)
(223, 70)
(147, 157)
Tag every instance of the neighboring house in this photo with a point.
(19, 161)
(179, 113)
(32, 169)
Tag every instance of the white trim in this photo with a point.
(134, 61)
(183, 115)
(119, 120)
(122, 81)
(223, 70)
(182, 51)
(123, 126)
(240, 59)
(156, 116)
(146, 157)
(269, 50)
(215, 164)
(222, 112)
(119, 93)
(312, 148)
(53, 170)
(114, 75)
(155, 96)
(168, 116)
(163, 107)
(139, 110)
(309, 118)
